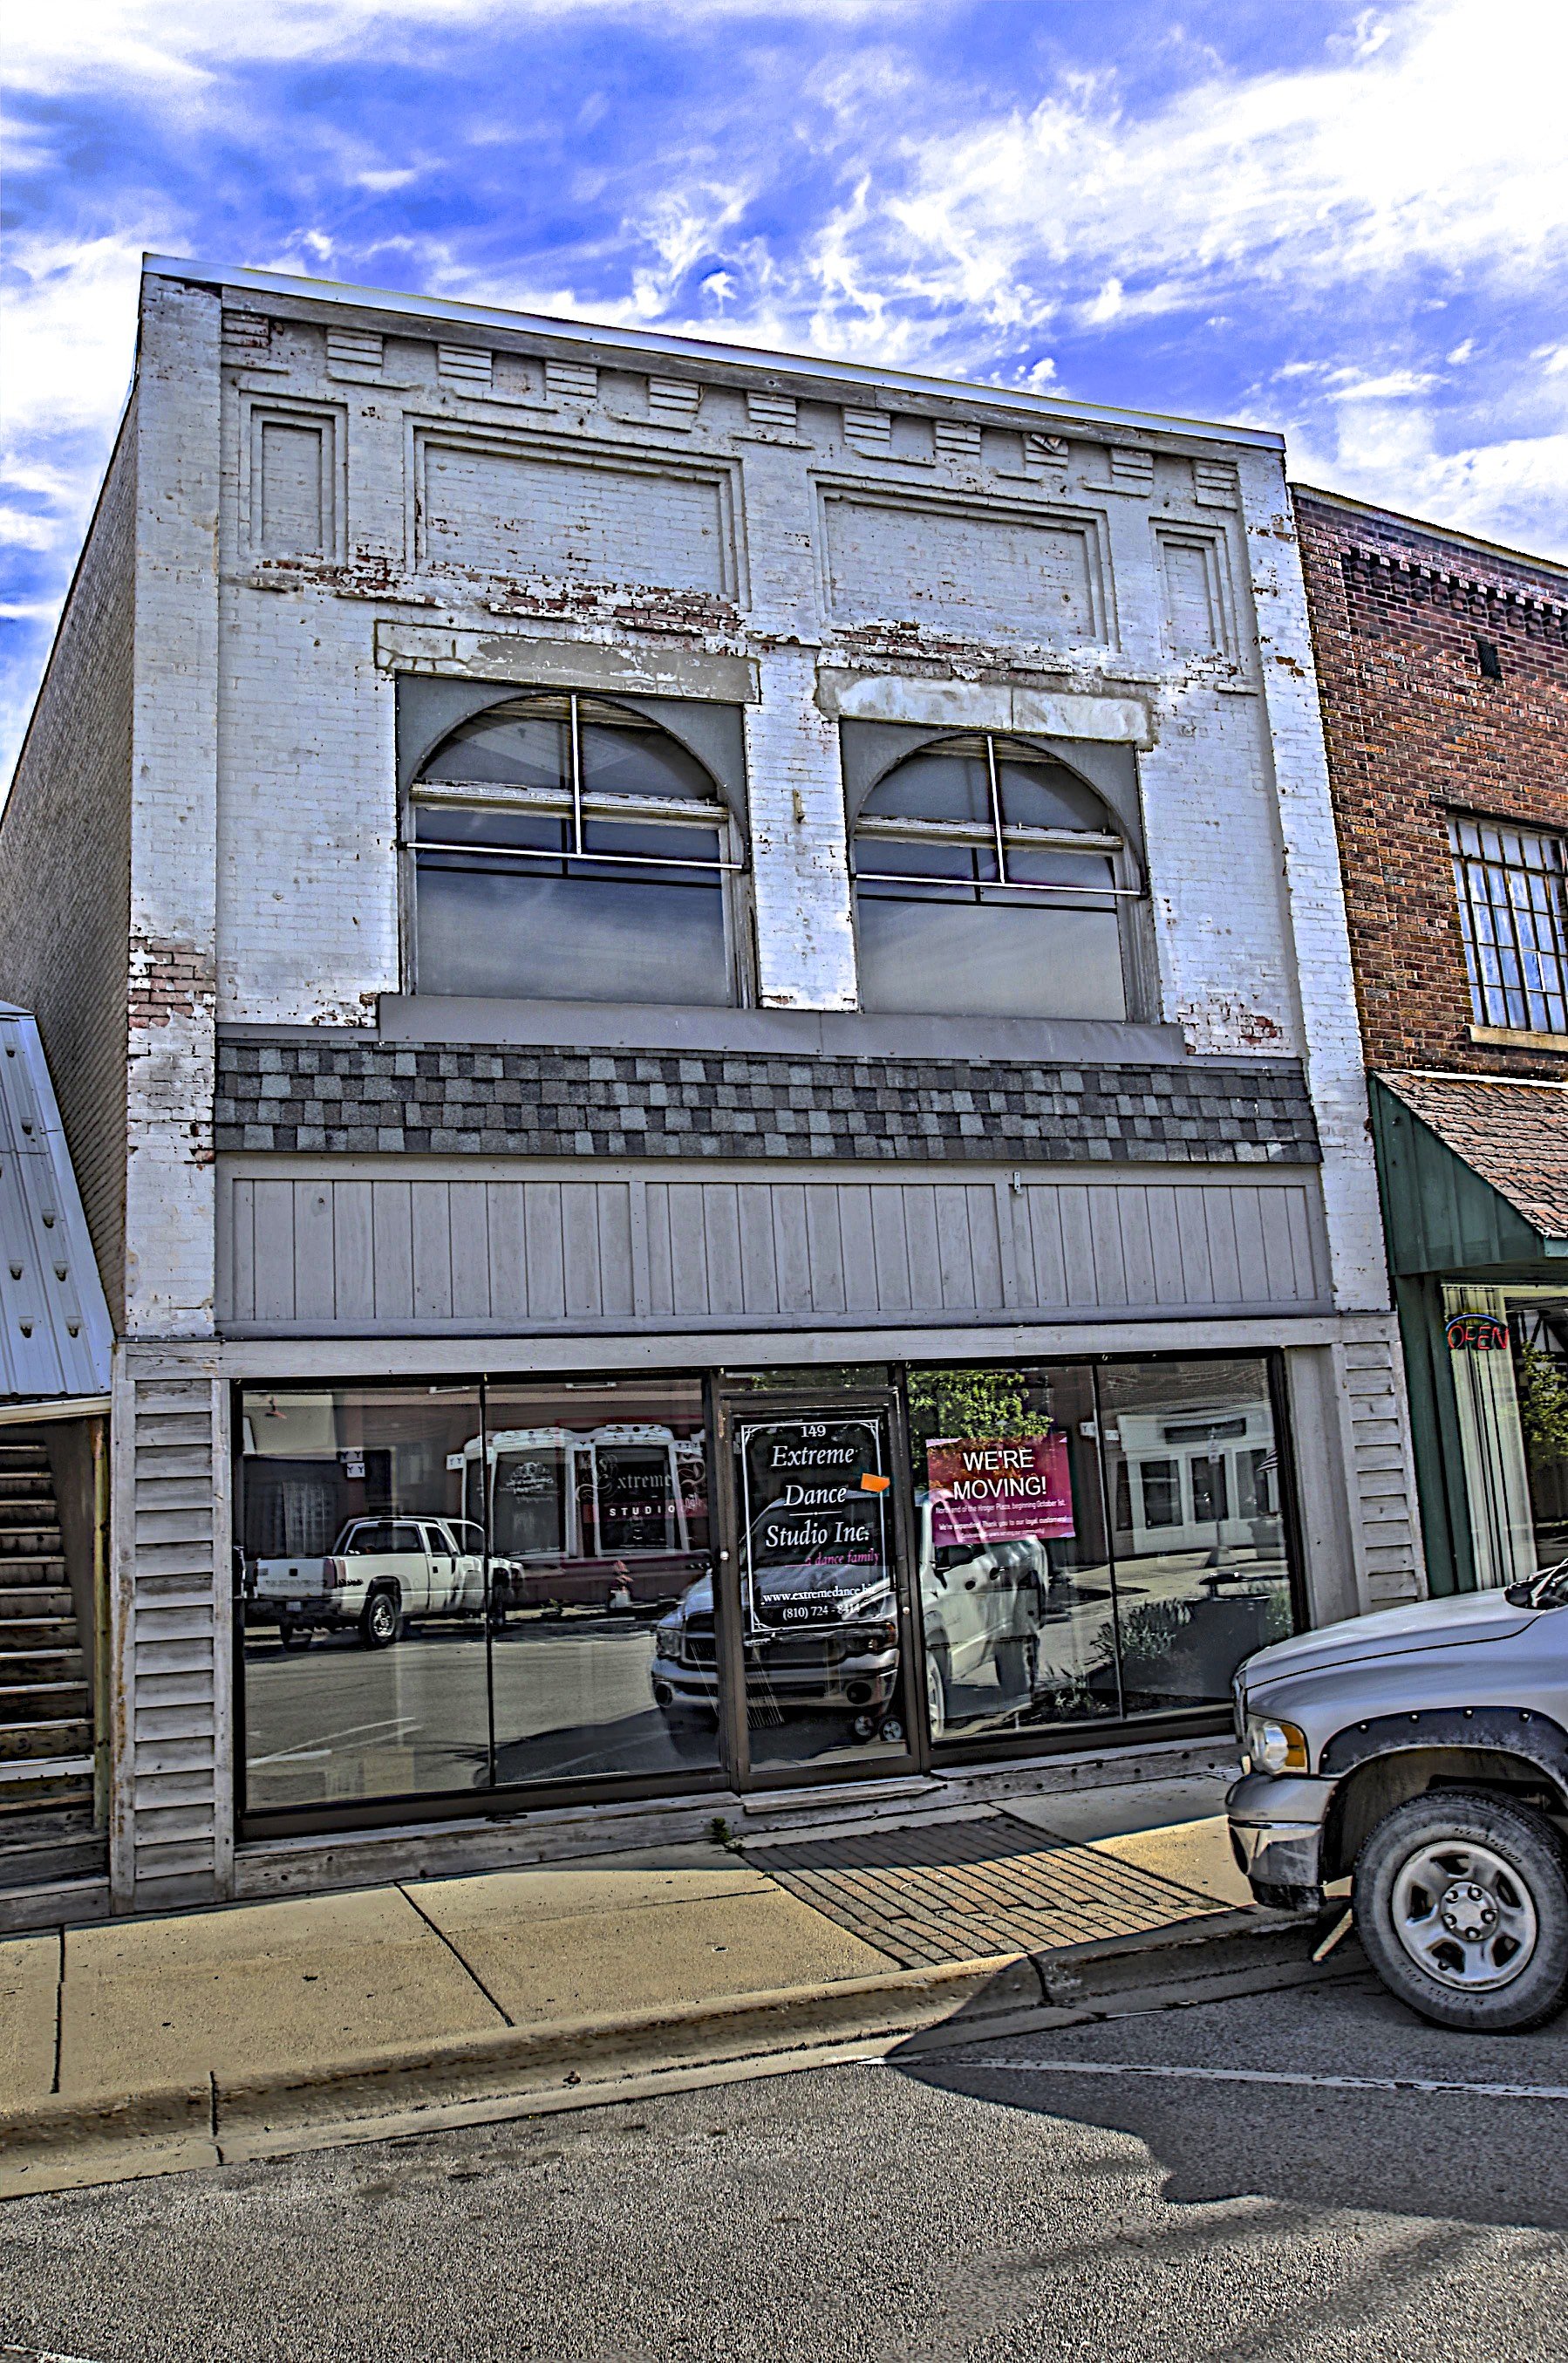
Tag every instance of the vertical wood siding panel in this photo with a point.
(987, 1266)
(392, 1210)
(924, 1246)
(1137, 1245)
(1196, 1248)
(469, 1220)
(661, 1272)
(721, 1223)
(1279, 1262)
(242, 1249)
(275, 1251)
(580, 1243)
(825, 1245)
(687, 1249)
(1165, 1243)
(1078, 1246)
(792, 1252)
(955, 1252)
(855, 1229)
(432, 1220)
(616, 1286)
(353, 1250)
(1105, 1241)
(505, 1232)
(1251, 1254)
(1304, 1263)
(546, 1253)
(1047, 1257)
(1219, 1219)
(759, 1269)
(316, 1295)
(890, 1248)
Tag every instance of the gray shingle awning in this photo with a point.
(55, 1335)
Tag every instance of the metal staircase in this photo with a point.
(46, 1708)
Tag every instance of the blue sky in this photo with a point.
(1349, 223)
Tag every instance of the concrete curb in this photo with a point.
(72, 2138)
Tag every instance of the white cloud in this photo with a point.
(1412, 149)
(176, 50)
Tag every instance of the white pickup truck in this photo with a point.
(380, 1573)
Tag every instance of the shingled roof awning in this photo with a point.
(1475, 1173)
(55, 1334)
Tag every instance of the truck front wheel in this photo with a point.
(1460, 1901)
(381, 1621)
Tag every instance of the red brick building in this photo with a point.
(1443, 667)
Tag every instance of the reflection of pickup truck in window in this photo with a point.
(381, 1573)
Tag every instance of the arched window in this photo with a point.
(988, 883)
(566, 848)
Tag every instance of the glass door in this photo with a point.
(814, 1618)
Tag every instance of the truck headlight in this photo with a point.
(1276, 1746)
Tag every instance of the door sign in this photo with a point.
(815, 1537)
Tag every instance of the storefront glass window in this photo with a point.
(1034, 1614)
(1014, 1575)
(1538, 1329)
(462, 1589)
(597, 1500)
(1198, 1542)
(364, 1596)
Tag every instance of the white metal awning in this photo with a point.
(55, 1335)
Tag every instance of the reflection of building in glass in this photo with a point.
(556, 1492)
(1197, 1479)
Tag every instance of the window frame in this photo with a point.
(1127, 885)
(1471, 864)
(579, 804)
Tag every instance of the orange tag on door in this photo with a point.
(875, 1484)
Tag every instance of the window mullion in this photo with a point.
(996, 808)
(577, 844)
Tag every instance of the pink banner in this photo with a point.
(997, 1489)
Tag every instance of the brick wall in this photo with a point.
(1414, 730)
(65, 863)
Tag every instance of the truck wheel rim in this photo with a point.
(1465, 1916)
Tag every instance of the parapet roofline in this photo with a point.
(1425, 530)
(751, 358)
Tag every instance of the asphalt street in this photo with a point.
(1231, 2183)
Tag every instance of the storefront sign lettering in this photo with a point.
(814, 1538)
(1477, 1333)
(999, 1489)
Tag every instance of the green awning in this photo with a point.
(1473, 1174)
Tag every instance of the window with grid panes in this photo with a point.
(988, 880)
(566, 848)
(1513, 911)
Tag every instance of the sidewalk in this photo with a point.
(136, 2047)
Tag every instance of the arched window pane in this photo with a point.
(935, 787)
(525, 751)
(629, 762)
(959, 924)
(555, 902)
(1042, 795)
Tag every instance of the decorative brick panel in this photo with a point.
(339, 1094)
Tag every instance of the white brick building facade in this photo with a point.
(321, 495)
